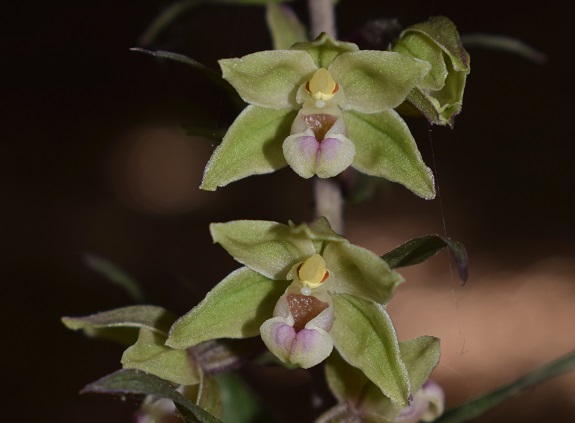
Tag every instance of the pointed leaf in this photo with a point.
(375, 81)
(504, 43)
(269, 78)
(151, 355)
(210, 73)
(476, 407)
(115, 275)
(385, 147)
(284, 26)
(252, 146)
(365, 337)
(113, 324)
(269, 248)
(136, 382)
(420, 249)
(360, 272)
(235, 308)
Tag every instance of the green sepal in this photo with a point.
(269, 78)
(136, 382)
(418, 250)
(443, 32)
(374, 81)
(366, 339)
(234, 308)
(319, 231)
(324, 49)
(269, 248)
(252, 146)
(360, 272)
(121, 324)
(285, 27)
(420, 356)
(385, 147)
(423, 48)
(151, 355)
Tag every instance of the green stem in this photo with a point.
(328, 198)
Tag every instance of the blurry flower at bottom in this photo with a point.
(427, 405)
(158, 410)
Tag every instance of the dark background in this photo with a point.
(75, 103)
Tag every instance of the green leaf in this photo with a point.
(136, 382)
(115, 275)
(235, 308)
(109, 324)
(269, 78)
(151, 355)
(269, 248)
(365, 337)
(385, 147)
(210, 73)
(360, 272)
(375, 81)
(284, 26)
(324, 49)
(418, 250)
(252, 146)
(476, 407)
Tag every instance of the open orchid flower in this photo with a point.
(305, 290)
(321, 107)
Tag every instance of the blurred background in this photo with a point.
(95, 162)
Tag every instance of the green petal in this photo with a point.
(384, 147)
(418, 45)
(443, 32)
(235, 308)
(420, 356)
(324, 49)
(252, 146)
(151, 355)
(284, 26)
(360, 272)
(365, 337)
(269, 248)
(269, 78)
(374, 81)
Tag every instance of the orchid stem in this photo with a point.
(327, 192)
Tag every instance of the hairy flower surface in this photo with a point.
(305, 290)
(321, 107)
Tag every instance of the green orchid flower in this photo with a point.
(439, 96)
(305, 290)
(321, 107)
